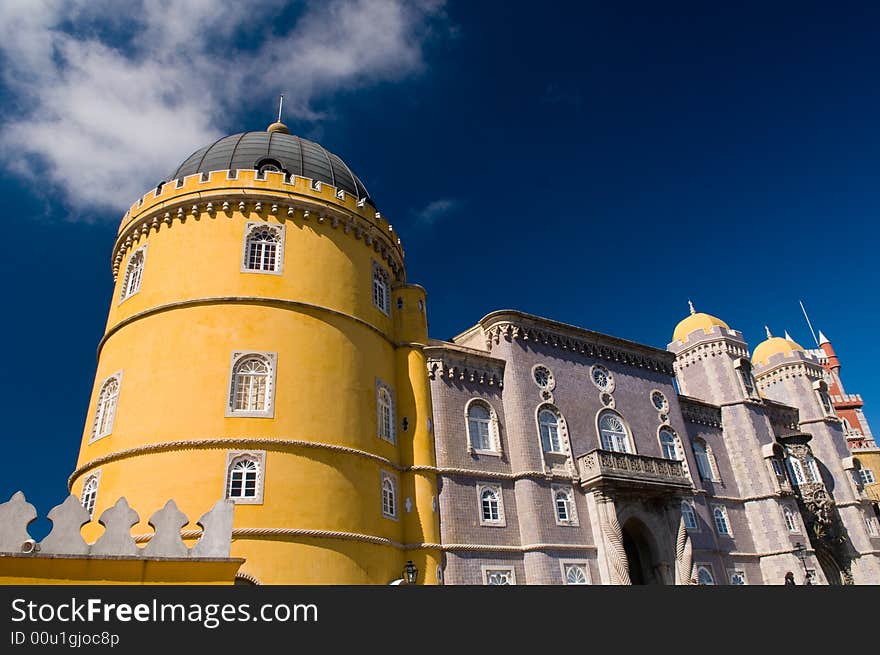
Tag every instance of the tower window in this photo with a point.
(790, 521)
(244, 476)
(613, 434)
(381, 288)
(252, 385)
(744, 367)
(134, 272)
(90, 493)
(491, 507)
(105, 409)
(385, 412)
(719, 514)
(389, 495)
(550, 427)
(689, 515)
(705, 460)
(263, 248)
(669, 444)
(481, 425)
(563, 504)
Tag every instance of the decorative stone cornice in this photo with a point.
(498, 475)
(698, 411)
(786, 369)
(496, 548)
(450, 362)
(781, 415)
(511, 325)
(701, 350)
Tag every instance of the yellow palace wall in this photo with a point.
(173, 343)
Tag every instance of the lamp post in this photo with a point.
(410, 572)
(800, 552)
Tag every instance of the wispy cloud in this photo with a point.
(435, 210)
(102, 104)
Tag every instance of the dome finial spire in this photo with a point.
(691, 307)
(769, 334)
(280, 105)
(278, 126)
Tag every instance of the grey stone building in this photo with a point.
(566, 456)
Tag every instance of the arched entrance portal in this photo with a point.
(640, 554)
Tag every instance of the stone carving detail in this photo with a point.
(683, 555)
(618, 565)
(445, 366)
(702, 413)
(782, 416)
(69, 517)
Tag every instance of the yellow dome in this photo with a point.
(696, 321)
(772, 346)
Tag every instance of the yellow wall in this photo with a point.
(173, 342)
(27, 569)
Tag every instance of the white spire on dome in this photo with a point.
(691, 307)
(788, 336)
(769, 334)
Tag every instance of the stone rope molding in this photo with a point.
(683, 555)
(615, 554)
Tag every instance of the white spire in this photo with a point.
(691, 307)
(822, 338)
(788, 336)
(769, 334)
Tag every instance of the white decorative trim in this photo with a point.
(496, 449)
(630, 441)
(492, 569)
(609, 384)
(395, 494)
(95, 435)
(501, 521)
(96, 476)
(253, 226)
(392, 437)
(572, 519)
(582, 564)
(259, 457)
(123, 296)
(385, 282)
(271, 360)
(561, 430)
(551, 379)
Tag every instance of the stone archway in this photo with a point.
(641, 554)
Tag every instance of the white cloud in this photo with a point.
(435, 210)
(103, 102)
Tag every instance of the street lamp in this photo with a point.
(800, 551)
(410, 572)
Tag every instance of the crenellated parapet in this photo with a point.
(450, 362)
(68, 519)
(719, 341)
(270, 195)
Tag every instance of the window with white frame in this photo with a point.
(498, 575)
(669, 444)
(867, 476)
(381, 288)
(385, 420)
(575, 573)
(813, 470)
(795, 470)
(389, 495)
(491, 507)
(737, 578)
(252, 384)
(263, 248)
(244, 476)
(703, 455)
(613, 434)
(689, 515)
(705, 576)
(134, 272)
(790, 520)
(90, 493)
(872, 525)
(481, 427)
(105, 408)
(722, 525)
(563, 505)
(549, 429)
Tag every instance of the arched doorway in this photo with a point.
(640, 554)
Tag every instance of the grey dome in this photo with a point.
(297, 156)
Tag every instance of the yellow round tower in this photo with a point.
(263, 345)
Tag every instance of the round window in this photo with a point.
(543, 377)
(659, 401)
(602, 378)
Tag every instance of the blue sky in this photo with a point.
(595, 163)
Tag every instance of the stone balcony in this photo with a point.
(638, 472)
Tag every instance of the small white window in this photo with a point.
(134, 272)
(669, 444)
(263, 248)
(498, 575)
(252, 385)
(613, 433)
(704, 460)
(813, 470)
(689, 515)
(795, 470)
(737, 578)
(385, 412)
(705, 575)
(105, 409)
(719, 514)
(491, 505)
(790, 520)
(549, 428)
(872, 525)
(563, 505)
(481, 427)
(244, 476)
(381, 288)
(867, 476)
(389, 495)
(575, 573)
(90, 494)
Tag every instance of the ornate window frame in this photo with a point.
(496, 489)
(100, 411)
(91, 503)
(725, 516)
(232, 458)
(566, 564)
(708, 568)
(789, 517)
(380, 288)
(676, 442)
(238, 357)
(692, 511)
(561, 430)
(251, 227)
(630, 441)
(551, 379)
(489, 569)
(125, 291)
(571, 507)
(609, 385)
(655, 394)
(389, 480)
(494, 449)
(389, 434)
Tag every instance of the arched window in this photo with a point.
(263, 248)
(490, 506)
(704, 576)
(242, 478)
(790, 521)
(576, 574)
(719, 514)
(704, 460)
(689, 515)
(251, 384)
(669, 444)
(548, 426)
(105, 409)
(389, 496)
(795, 470)
(131, 283)
(613, 433)
(381, 288)
(385, 412)
(481, 430)
(563, 506)
(90, 494)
